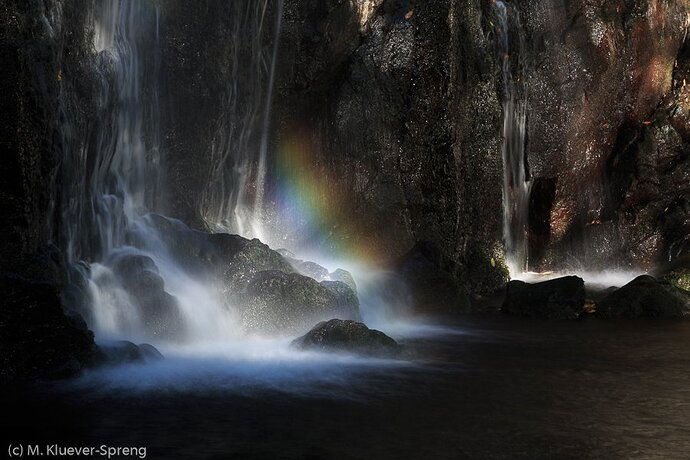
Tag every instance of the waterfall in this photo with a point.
(233, 199)
(516, 185)
(135, 287)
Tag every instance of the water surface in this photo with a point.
(482, 388)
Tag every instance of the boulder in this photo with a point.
(343, 335)
(238, 259)
(275, 301)
(122, 352)
(345, 277)
(231, 258)
(430, 280)
(645, 297)
(312, 270)
(159, 310)
(560, 298)
(346, 297)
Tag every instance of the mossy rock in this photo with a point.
(679, 278)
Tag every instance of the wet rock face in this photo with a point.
(278, 302)
(606, 105)
(561, 298)
(339, 335)
(397, 109)
(47, 73)
(37, 338)
(645, 297)
(430, 279)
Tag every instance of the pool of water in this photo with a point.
(493, 387)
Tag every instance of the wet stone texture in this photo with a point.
(607, 132)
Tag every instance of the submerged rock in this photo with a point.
(429, 277)
(560, 298)
(645, 297)
(275, 301)
(337, 334)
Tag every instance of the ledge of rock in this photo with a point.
(645, 297)
(560, 298)
(344, 335)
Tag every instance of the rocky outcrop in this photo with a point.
(351, 336)
(37, 338)
(278, 302)
(606, 89)
(645, 297)
(560, 298)
(394, 106)
(46, 80)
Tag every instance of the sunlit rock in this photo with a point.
(312, 270)
(278, 302)
(560, 298)
(351, 336)
(645, 297)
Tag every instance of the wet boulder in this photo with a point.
(275, 302)
(429, 276)
(345, 277)
(159, 310)
(343, 335)
(346, 298)
(312, 270)
(560, 298)
(231, 258)
(122, 352)
(239, 259)
(645, 297)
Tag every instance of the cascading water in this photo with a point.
(233, 198)
(516, 185)
(137, 285)
(136, 288)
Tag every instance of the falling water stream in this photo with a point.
(233, 198)
(516, 186)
